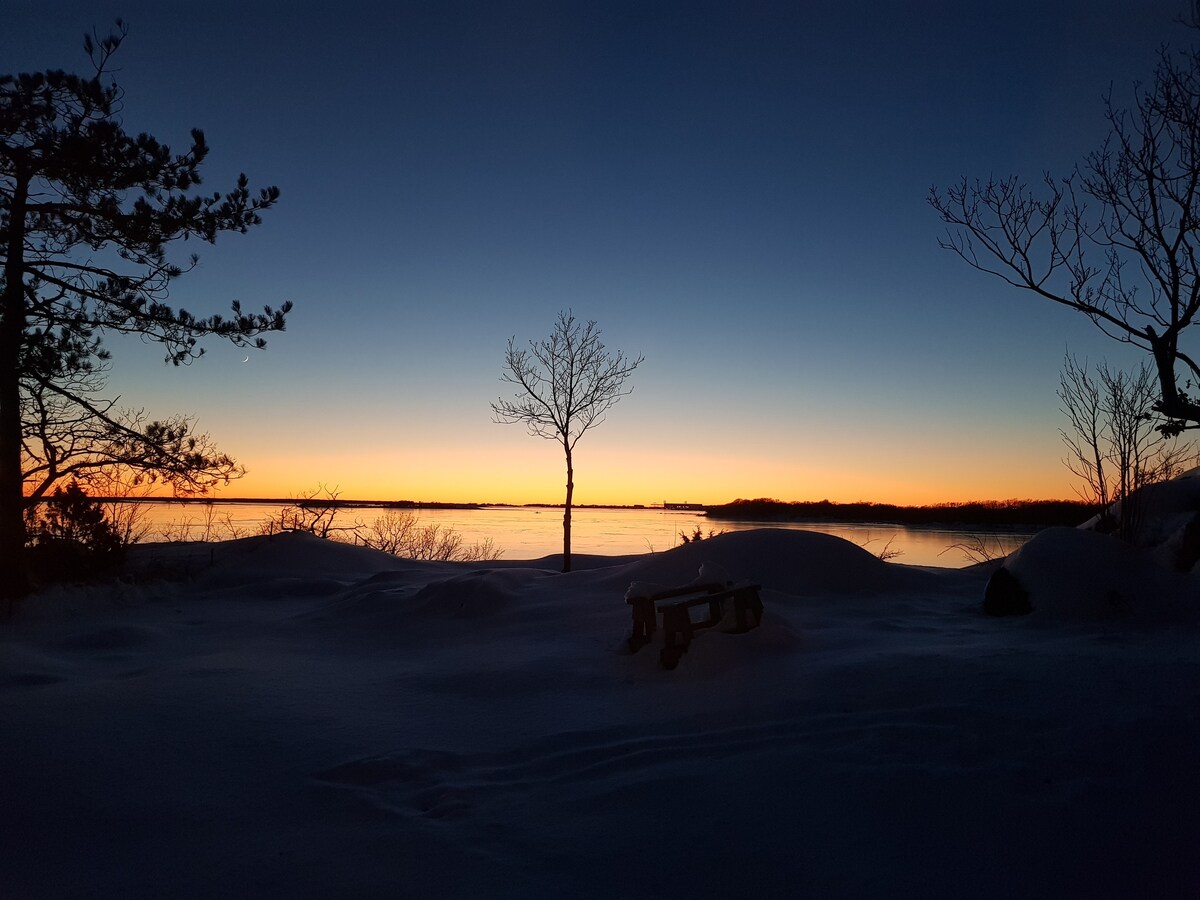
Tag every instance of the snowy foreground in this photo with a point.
(296, 718)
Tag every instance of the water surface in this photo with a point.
(534, 532)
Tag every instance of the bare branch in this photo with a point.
(1116, 442)
(1130, 261)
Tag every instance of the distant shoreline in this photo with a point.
(994, 513)
(1002, 513)
(296, 501)
(385, 504)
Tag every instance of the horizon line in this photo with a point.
(666, 505)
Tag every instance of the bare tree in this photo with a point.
(1087, 458)
(567, 384)
(1115, 444)
(1118, 239)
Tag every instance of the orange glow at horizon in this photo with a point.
(622, 478)
(646, 460)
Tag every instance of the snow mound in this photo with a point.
(786, 560)
(293, 555)
(1167, 518)
(393, 601)
(1072, 573)
(488, 592)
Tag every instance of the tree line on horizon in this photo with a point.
(1005, 513)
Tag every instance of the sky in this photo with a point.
(735, 191)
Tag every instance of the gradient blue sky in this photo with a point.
(735, 190)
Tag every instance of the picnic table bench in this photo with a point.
(675, 606)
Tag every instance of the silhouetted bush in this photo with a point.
(697, 535)
(397, 532)
(71, 539)
(313, 513)
(400, 533)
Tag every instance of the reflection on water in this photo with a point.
(531, 533)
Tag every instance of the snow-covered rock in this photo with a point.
(1078, 574)
(1166, 520)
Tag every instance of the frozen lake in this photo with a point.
(534, 532)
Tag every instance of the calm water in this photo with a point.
(531, 533)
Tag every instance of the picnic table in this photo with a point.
(675, 605)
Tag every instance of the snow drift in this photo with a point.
(289, 717)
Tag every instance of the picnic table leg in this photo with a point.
(644, 622)
(747, 603)
(716, 611)
(677, 634)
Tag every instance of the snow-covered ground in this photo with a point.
(290, 717)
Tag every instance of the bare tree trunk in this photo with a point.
(567, 384)
(14, 577)
(567, 513)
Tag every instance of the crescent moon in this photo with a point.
(246, 360)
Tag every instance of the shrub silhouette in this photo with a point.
(71, 539)
(697, 535)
